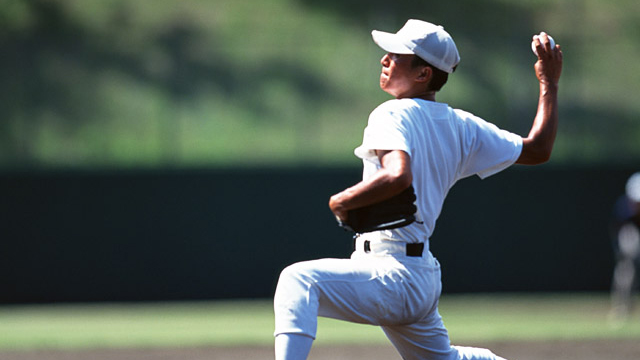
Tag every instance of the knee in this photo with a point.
(293, 282)
(298, 273)
(290, 274)
(295, 303)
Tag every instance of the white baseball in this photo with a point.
(551, 42)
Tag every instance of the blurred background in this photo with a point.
(154, 150)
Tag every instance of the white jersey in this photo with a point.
(396, 290)
(445, 145)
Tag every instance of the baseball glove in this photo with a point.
(392, 213)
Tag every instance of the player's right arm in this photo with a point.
(392, 178)
(537, 146)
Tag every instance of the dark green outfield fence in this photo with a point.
(209, 234)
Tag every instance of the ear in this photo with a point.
(425, 74)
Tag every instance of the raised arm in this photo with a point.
(391, 179)
(536, 148)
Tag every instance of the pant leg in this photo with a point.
(425, 339)
(428, 339)
(376, 291)
(402, 298)
(417, 343)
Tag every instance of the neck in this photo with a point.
(429, 96)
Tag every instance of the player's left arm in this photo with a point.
(391, 179)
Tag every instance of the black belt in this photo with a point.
(413, 249)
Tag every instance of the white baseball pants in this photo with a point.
(382, 287)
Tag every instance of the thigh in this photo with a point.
(362, 291)
(351, 290)
(378, 291)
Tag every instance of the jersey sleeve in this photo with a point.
(386, 130)
(487, 148)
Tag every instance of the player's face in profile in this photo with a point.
(398, 74)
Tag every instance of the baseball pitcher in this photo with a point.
(414, 150)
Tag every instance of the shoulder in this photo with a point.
(397, 111)
(467, 116)
(471, 121)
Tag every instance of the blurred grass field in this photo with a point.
(469, 318)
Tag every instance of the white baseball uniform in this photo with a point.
(381, 284)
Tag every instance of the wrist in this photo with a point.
(547, 89)
(548, 86)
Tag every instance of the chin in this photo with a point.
(383, 86)
(387, 91)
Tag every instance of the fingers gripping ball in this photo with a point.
(533, 43)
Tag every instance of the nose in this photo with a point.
(385, 60)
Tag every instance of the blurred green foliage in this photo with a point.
(160, 83)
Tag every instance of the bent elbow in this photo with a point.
(535, 152)
(534, 157)
(396, 165)
(402, 180)
(541, 159)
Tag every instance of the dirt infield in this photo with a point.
(558, 350)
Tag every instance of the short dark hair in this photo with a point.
(439, 77)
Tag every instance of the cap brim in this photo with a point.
(390, 42)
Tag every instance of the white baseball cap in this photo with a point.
(430, 42)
